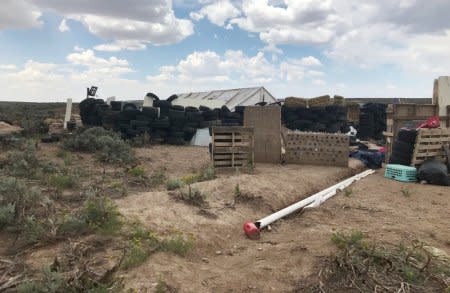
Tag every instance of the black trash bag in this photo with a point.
(434, 172)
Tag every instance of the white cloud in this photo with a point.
(218, 12)
(116, 46)
(56, 82)
(152, 22)
(18, 14)
(63, 27)
(319, 82)
(208, 70)
(8, 67)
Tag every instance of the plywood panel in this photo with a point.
(266, 124)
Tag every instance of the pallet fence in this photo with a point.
(429, 144)
(232, 146)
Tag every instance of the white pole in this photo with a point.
(312, 201)
(68, 112)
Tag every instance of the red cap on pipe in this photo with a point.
(251, 230)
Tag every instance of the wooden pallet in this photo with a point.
(232, 146)
(317, 148)
(429, 144)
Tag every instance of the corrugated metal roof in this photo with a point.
(218, 98)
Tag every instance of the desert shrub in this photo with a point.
(173, 184)
(72, 225)
(135, 255)
(363, 266)
(62, 182)
(158, 177)
(35, 230)
(106, 145)
(14, 192)
(178, 244)
(51, 282)
(137, 171)
(100, 213)
(7, 215)
(22, 162)
(192, 196)
(207, 173)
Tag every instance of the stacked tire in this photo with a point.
(372, 121)
(91, 111)
(403, 147)
(331, 119)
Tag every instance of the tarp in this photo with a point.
(201, 137)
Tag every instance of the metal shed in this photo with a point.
(230, 98)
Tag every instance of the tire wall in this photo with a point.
(164, 122)
(372, 121)
(330, 118)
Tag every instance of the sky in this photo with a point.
(51, 50)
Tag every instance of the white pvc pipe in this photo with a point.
(312, 201)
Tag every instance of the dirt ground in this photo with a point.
(224, 260)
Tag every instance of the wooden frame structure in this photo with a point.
(232, 147)
(429, 145)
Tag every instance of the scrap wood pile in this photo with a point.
(163, 122)
(360, 266)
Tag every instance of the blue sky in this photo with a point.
(51, 50)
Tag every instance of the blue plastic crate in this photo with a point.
(401, 173)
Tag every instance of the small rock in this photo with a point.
(205, 260)
(259, 248)
(218, 252)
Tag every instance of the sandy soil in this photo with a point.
(224, 260)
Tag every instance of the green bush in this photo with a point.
(178, 244)
(62, 182)
(14, 192)
(72, 225)
(7, 215)
(106, 145)
(34, 230)
(22, 162)
(101, 213)
(135, 255)
(137, 171)
(51, 282)
(173, 184)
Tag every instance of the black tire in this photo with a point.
(177, 108)
(402, 147)
(150, 112)
(137, 123)
(152, 96)
(162, 104)
(194, 116)
(129, 106)
(176, 115)
(191, 109)
(116, 106)
(175, 140)
(407, 135)
(162, 123)
(204, 108)
(171, 98)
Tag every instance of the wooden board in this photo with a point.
(232, 147)
(429, 144)
(266, 122)
(317, 148)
